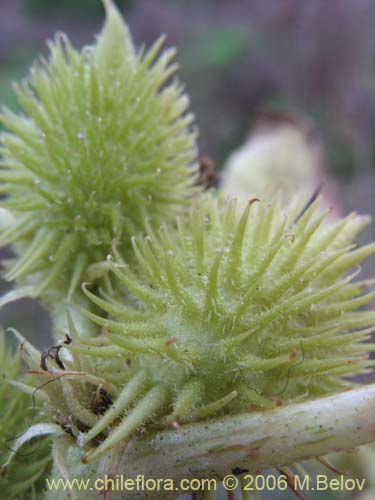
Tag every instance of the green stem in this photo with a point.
(253, 441)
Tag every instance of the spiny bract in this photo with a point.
(25, 472)
(105, 139)
(225, 314)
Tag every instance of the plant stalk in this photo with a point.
(254, 441)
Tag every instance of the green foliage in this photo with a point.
(80, 8)
(223, 315)
(24, 475)
(104, 137)
(217, 48)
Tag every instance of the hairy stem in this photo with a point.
(252, 441)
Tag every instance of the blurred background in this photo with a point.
(238, 58)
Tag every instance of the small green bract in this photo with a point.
(105, 140)
(227, 313)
